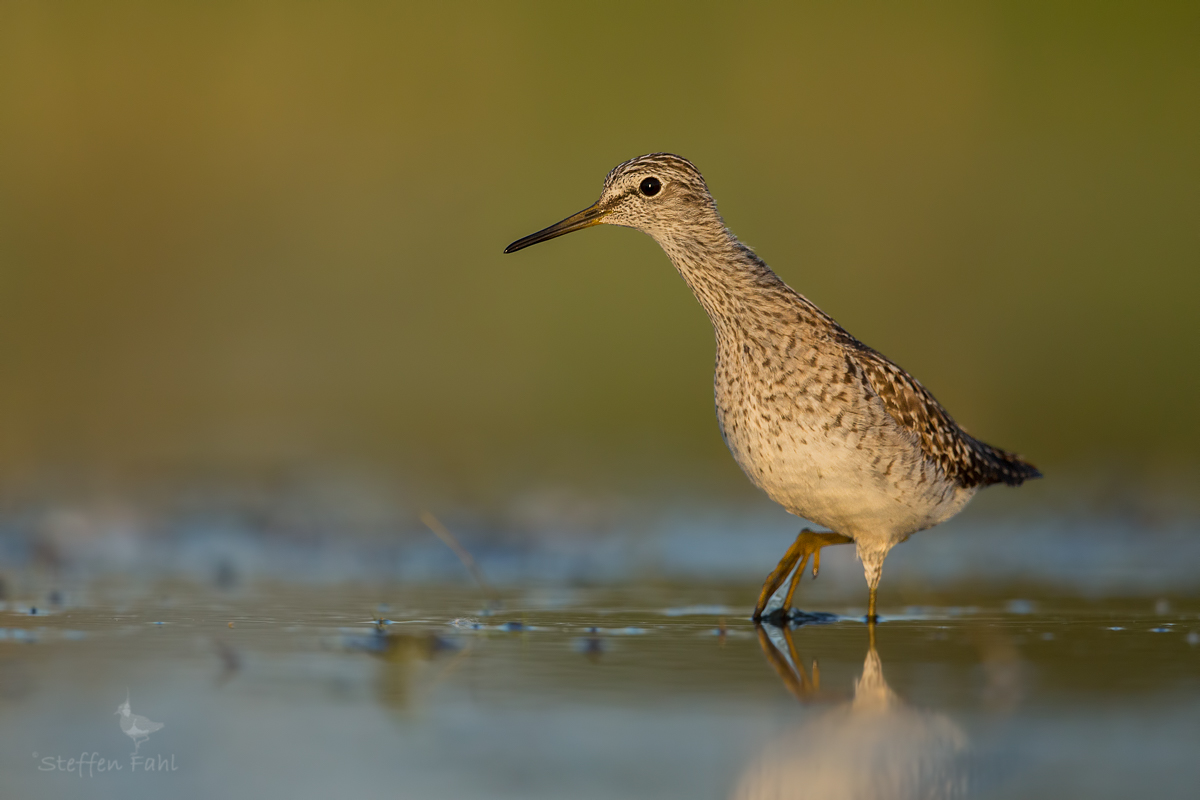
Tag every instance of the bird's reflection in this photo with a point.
(873, 745)
(404, 674)
(405, 658)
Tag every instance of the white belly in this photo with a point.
(864, 479)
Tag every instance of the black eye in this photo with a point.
(650, 187)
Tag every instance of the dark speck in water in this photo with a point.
(591, 646)
(226, 575)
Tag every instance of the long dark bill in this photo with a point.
(576, 222)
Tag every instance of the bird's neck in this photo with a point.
(734, 286)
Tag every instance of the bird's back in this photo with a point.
(964, 459)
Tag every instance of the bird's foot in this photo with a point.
(792, 618)
(808, 544)
(779, 617)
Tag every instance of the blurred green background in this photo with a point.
(244, 238)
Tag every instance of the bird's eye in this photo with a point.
(650, 187)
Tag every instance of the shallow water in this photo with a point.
(659, 690)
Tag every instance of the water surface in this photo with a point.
(276, 689)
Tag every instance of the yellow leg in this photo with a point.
(776, 577)
(816, 557)
(871, 617)
(808, 543)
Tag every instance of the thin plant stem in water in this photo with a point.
(443, 533)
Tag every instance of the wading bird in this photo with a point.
(826, 426)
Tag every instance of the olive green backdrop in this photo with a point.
(246, 237)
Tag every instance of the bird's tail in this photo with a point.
(1001, 466)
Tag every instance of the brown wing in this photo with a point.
(964, 458)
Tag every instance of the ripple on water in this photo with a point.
(698, 611)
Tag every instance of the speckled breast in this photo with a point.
(824, 451)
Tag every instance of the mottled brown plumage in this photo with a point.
(964, 459)
(823, 424)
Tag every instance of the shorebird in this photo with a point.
(135, 726)
(824, 425)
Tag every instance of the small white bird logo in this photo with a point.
(135, 726)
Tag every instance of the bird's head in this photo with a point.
(655, 193)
